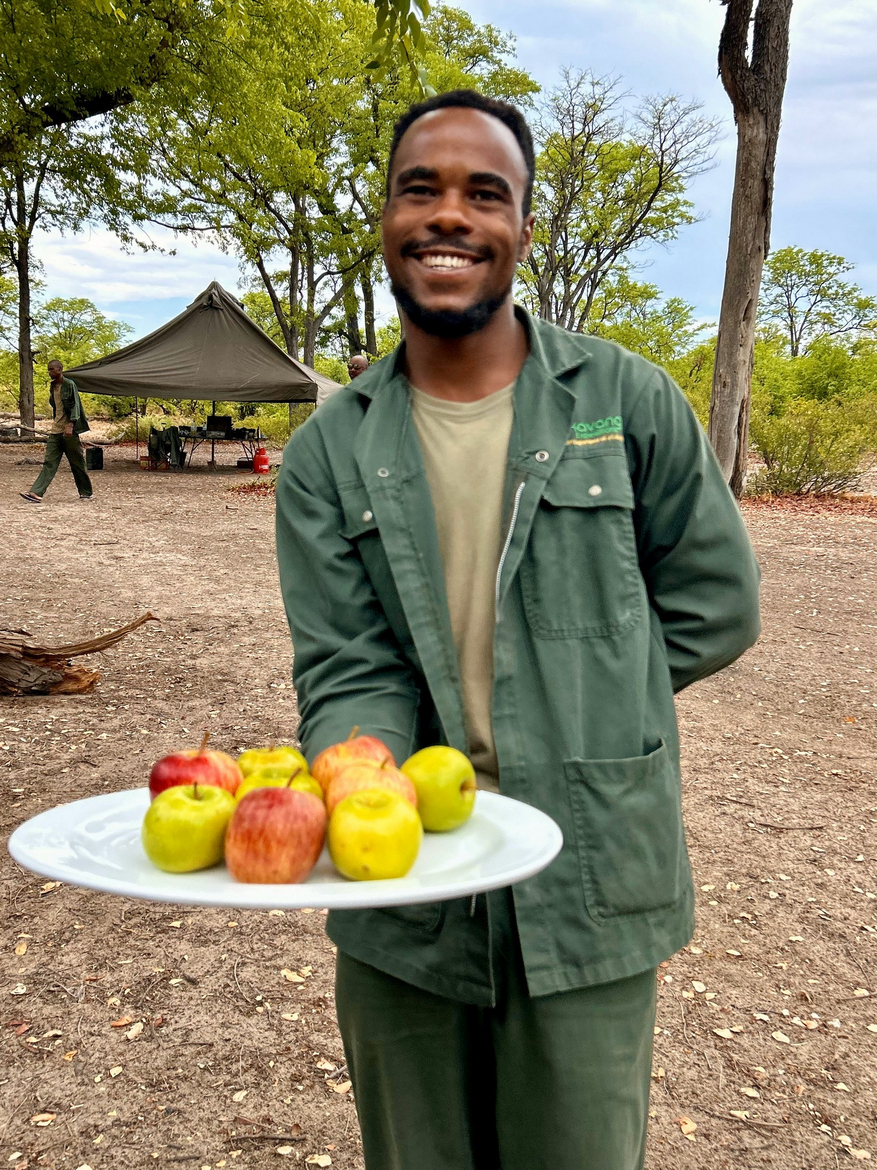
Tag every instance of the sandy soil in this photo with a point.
(765, 1053)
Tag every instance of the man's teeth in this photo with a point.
(433, 261)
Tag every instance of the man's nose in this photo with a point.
(450, 214)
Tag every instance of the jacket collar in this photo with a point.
(555, 351)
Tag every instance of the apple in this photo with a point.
(195, 767)
(184, 827)
(368, 774)
(272, 777)
(279, 754)
(445, 783)
(275, 835)
(354, 749)
(374, 834)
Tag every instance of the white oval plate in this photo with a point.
(96, 843)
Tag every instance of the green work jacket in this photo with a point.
(72, 404)
(626, 574)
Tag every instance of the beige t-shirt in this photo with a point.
(465, 449)
(60, 420)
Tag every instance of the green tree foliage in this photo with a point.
(283, 159)
(634, 315)
(608, 182)
(74, 330)
(804, 296)
(814, 417)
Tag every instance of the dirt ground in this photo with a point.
(767, 1037)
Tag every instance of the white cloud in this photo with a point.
(96, 265)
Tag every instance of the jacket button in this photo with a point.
(368, 516)
(595, 490)
(382, 472)
(542, 457)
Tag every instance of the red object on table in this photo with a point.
(261, 462)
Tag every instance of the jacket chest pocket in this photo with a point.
(580, 574)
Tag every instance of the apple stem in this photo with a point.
(195, 790)
(354, 732)
(203, 746)
(292, 777)
(271, 745)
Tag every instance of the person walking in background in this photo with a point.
(515, 540)
(357, 365)
(69, 422)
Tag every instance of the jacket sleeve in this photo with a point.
(695, 554)
(70, 398)
(348, 667)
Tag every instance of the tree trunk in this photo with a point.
(351, 316)
(368, 310)
(735, 347)
(22, 270)
(755, 81)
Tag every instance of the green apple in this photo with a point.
(184, 827)
(445, 783)
(281, 755)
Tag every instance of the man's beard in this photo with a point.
(449, 323)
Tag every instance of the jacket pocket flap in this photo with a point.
(598, 482)
(358, 516)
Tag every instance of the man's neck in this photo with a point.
(466, 369)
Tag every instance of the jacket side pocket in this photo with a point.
(628, 823)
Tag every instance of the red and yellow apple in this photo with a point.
(279, 754)
(352, 750)
(195, 767)
(445, 783)
(275, 835)
(184, 827)
(374, 834)
(366, 775)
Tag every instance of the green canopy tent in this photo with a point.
(213, 351)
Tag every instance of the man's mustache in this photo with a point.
(455, 243)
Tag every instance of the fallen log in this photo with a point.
(28, 668)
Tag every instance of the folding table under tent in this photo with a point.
(213, 351)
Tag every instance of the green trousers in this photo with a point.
(559, 1082)
(56, 446)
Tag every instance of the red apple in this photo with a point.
(195, 767)
(365, 777)
(352, 750)
(275, 835)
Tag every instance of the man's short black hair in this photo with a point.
(470, 99)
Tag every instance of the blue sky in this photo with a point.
(826, 184)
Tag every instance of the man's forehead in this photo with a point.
(470, 138)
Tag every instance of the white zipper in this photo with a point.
(508, 541)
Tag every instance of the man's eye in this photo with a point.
(485, 196)
(417, 189)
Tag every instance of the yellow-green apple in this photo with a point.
(368, 774)
(275, 835)
(352, 750)
(195, 767)
(374, 834)
(272, 777)
(445, 783)
(184, 827)
(280, 754)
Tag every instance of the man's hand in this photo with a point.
(68, 430)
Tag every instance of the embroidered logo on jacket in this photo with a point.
(601, 431)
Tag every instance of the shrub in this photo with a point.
(814, 448)
(125, 432)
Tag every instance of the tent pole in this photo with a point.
(213, 441)
(136, 430)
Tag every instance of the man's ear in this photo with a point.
(526, 237)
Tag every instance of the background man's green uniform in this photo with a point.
(66, 409)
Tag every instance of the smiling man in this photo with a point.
(514, 540)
